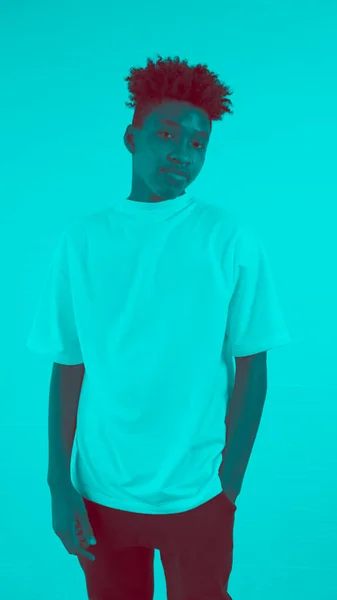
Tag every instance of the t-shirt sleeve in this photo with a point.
(53, 331)
(255, 322)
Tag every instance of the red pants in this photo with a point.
(195, 547)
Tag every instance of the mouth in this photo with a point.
(176, 175)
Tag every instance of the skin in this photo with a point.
(159, 145)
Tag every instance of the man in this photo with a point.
(145, 307)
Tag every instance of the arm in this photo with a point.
(243, 417)
(65, 389)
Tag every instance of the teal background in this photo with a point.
(62, 120)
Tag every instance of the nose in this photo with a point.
(182, 155)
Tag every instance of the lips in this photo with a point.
(176, 172)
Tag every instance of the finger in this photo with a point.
(81, 537)
(81, 543)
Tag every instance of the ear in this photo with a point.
(129, 139)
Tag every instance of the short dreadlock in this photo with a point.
(173, 79)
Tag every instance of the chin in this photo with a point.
(176, 189)
(170, 193)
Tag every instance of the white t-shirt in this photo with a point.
(156, 300)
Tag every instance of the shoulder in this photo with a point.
(82, 229)
(239, 237)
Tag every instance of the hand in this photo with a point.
(70, 521)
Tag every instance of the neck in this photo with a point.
(150, 197)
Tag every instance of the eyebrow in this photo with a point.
(176, 124)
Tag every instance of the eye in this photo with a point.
(168, 133)
(165, 132)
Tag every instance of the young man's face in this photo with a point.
(161, 144)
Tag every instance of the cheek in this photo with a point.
(146, 160)
(149, 163)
